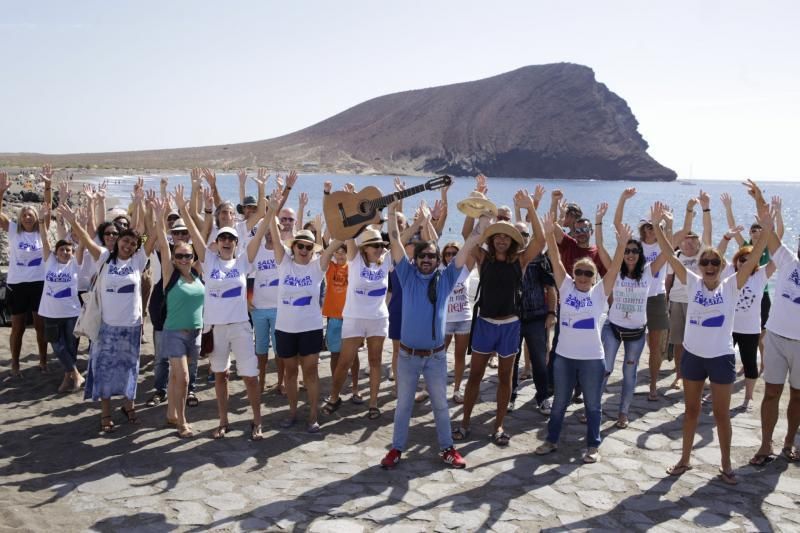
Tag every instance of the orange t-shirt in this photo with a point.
(335, 290)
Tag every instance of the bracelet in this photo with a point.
(288, 188)
(706, 210)
(689, 210)
(326, 192)
(598, 223)
(726, 237)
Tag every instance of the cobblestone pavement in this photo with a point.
(57, 472)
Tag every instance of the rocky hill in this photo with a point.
(546, 121)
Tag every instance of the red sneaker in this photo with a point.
(391, 459)
(453, 458)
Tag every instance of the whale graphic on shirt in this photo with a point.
(31, 263)
(297, 302)
(374, 292)
(63, 293)
(707, 320)
(584, 323)
(235, 292)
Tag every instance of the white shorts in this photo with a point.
(365, 327)
(236, 338)
(781, 357)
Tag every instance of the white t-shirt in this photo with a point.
(60, 294)
(86, 270)
(678, 292)
(226, 289)
(747, 318)
(629, 307)
(265, 288)
(366, 288)
(25, 261)
(120, 284)
(651, 251)
(709, 317)
(580, 321)
(458, 308)
(784, 316)
(298, 295)
(155, 268)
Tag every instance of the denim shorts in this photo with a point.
(180, 343)
(333, 335)
(720, 370)
(264, 329)
(458, 328)
(500, 338)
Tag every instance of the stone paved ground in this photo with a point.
(57, 472)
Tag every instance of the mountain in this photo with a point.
(544, 121)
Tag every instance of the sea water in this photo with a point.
(586, 193)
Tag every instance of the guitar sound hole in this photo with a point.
(363, 208)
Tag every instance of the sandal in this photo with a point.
(172, 422)
(313, 427)
(728, 477)
(331, 407)
(191, 399)
(131, 414)
(186, 432)
(501, 438)
(460, 433)
(652, 396)
(107, 427)
(545, 448)
(591, 456)
(678, 469)
(622, 423)
(255, 431)
(762, 459)
(373, 413)
(790, 454)
(156, 399)
(356, 399)
(220, 432)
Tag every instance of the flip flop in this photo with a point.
(621, 424)
(790, 454)
(220, 432)
(331, 407)
(762, 460)
(460, 434)
(186, 433)
(679, 470)
(501, 438)
(728, 477)
(373, 413)
(255, 431)
(356, 399)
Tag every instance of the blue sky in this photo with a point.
(715, 85)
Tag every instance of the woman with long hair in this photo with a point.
(365, 315)
(579, 355)
(25, 272)
(459, 320)
(708, 340)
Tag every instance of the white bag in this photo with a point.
(88, 324)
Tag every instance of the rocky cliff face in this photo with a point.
(547, 121)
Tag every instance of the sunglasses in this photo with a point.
(712, 262)
(172, 218)
(631, 251)
(226, 237)
(427, 255)
(181, 232)
(184, 256)
(584, 273)
(286, 219)
(121, 222)
(374, 245)
(583, 230)
(301, 246)
(503, 218)
(450, 254)
(525, 234)
(743, 258)
(111, 234)
(647, 226)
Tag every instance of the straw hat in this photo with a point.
(476, 205)
(370, 236)
(505, 228)
(178, 225)
(304, 236)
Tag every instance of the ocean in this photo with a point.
(588, 194)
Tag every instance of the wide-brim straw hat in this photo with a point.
(370, 236)
(476, 205)
(505, 228)
(304, 236)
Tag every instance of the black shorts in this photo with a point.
(24, 297)
(766, 305)
(303, 343)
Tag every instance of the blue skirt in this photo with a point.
(114, 363)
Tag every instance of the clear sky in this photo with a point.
(715, 85)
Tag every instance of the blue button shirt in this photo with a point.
(418, 315)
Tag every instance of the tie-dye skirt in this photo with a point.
(114, 363)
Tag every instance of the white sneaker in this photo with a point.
(545, 407)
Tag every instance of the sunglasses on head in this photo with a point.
(713, 262)
(301, 246)
(584, 273)
(184, 256)
(110, 234)
(427, 255)
(631, 251)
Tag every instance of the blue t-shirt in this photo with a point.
(418, 310)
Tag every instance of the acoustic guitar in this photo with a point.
(347, 214)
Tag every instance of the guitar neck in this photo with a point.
(383, 201)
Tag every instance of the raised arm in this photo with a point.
(257, 240)
(556, 202)
(536, 244)
(291, 179)
(273, 207)
(47, 178)
(79, 231)
(666, 247)
(439, 213)
(466, 255)
(776, 207)
(44, 214)
(395, 245)
(602, 208)
(620, 210)
(261, 183)
(727, 202)
(197, 239)
(755, 192)
(242, 175)
(559, 274)
(705, 204)
(624, 234)
(722, 247)
(765, 219)
(5, 184)
(211, 177)
(302, 202)
(327, 253)
(160, 208)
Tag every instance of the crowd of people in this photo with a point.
(219, 279)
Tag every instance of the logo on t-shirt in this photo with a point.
(705, 301)
(221, 274)
(372, 275)
(578, 303)
(267, 264)
(746, 299)
(294, 281)
(28, 246)
(114, 270)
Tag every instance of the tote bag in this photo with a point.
(88, 324)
